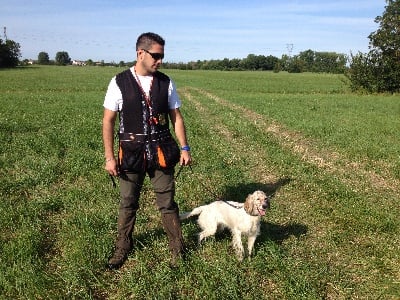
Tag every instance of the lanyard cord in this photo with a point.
(152, 119)
(148, 119)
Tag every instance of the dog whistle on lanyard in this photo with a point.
(161, 119)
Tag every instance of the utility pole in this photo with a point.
(289, 48)
(5, 33)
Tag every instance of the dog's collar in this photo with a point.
(234, 206)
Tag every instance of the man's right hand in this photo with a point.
(111, 167)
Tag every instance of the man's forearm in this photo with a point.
(108, 136)
(179, 127)
(108, 141)
(180, 133)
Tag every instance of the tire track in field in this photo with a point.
(354, 174)
(238, 146)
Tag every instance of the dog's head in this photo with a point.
(257, 203)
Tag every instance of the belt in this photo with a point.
(132, 137)
(141, 138)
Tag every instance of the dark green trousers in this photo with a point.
(163, 184)
(130, 187)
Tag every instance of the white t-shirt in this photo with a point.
(113, 98)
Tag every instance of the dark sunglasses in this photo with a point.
(155, 56)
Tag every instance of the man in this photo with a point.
(145, 100)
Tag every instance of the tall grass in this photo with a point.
(329, 157)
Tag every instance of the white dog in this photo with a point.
(238, 217)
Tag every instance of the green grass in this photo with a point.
(330, 157)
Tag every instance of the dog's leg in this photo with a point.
(251, 238)
(237, 244)
(208, 226)
(206, 233)
(250, 244)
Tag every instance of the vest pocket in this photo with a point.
(167, 153)
(131, 156)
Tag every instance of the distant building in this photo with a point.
(78, 63)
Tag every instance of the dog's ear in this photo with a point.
(248, 207)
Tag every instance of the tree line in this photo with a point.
(306, 61)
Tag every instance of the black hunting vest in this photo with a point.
(146, 140)
(132, 107)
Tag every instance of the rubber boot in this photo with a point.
(124, 243)
(172, 227)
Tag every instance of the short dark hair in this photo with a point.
(145, 40)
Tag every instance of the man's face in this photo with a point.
(151, 59)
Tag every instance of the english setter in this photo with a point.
(240, 218)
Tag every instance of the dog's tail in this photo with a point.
(194, 212)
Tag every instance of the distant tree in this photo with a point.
(62, 58)
(9, 53)
(235, 63)
(270, 62)
(259, 62)
(250, 62)
(25, 62)
(296, 65)
(43, 58)
(284, 62)
(308, 58)
(278, 67)
(379, 69)
(224, 64)
(328, 62)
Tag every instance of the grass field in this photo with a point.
(330, 158)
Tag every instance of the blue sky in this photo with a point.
(193, 30)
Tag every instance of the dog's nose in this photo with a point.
(265, 205)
